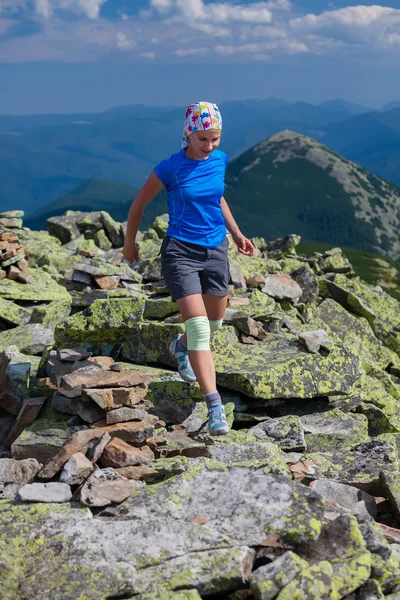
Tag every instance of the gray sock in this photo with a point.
(212, 399)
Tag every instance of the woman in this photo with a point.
(194, 251)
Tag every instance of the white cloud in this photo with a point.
(123, 42)
(190, 51)
(233, 29)
(46, 8)
(352, 16)
(161, 5)
(367, 26)
(193, 11)
(261, 57)
(43, 8)
(290, 47)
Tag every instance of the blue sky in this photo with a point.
(89, 55)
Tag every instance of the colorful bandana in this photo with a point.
(203, 116)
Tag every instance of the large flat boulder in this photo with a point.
(173, 531)
(280, 367)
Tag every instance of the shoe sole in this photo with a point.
(221, 431)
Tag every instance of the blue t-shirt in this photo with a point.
(195, 189)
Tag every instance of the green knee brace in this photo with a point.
(198, 333)
(215, 325)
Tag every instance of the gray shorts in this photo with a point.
(191, 269)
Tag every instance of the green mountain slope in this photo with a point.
(98, 194)
(291, 184)
(94, 194)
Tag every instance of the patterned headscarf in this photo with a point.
(203, 116)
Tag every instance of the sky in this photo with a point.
(68, 56)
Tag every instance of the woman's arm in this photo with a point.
(146, 194)
(243, 244)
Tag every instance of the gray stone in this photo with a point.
(286, 432)
(251, 454)
(89, 411)
(64, 404)
(18, 471)
(282, 287)
(126, 413)
(76, 469)
(230, 569)
(347, 496)
(236, 275)
(30, 338)
(45, 492)
(267, 581)
(314, 340)
(105, 486)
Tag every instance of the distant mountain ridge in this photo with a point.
(43, 157)
(290, 183)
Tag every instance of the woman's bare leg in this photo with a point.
(201, 360)
(215, 306)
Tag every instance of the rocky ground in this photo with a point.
(111, 487)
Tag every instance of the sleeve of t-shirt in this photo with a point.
(164, 170)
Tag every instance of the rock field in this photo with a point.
(111, 487)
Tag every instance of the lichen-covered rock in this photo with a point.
(363, 464)
(73, 223)
(261, 306)
(315, 583)
(112, 229)
(334, 429)
(159, 308)
(342, 544)
(101, 240)
(267, 581)
(30, 338)
(353, 331)
(160, 225)
(164, 535)
(228, 496)
(211, 571)
(347, 496)
(286, 432)
(104, 321)
(15, 374)
(291, 372)
(385, 564)
(380, 309)
(256, 455)
(43, 438)
(13, 314)
(381, 403)
(149, 343)
(52, 313)
(40, 288)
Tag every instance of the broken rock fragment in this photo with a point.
(121, 454)
(106, 486)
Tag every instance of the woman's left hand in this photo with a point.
(243, 244)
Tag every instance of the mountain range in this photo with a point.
(45, 157)
(289, 183)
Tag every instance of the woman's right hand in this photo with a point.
(130, 253)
